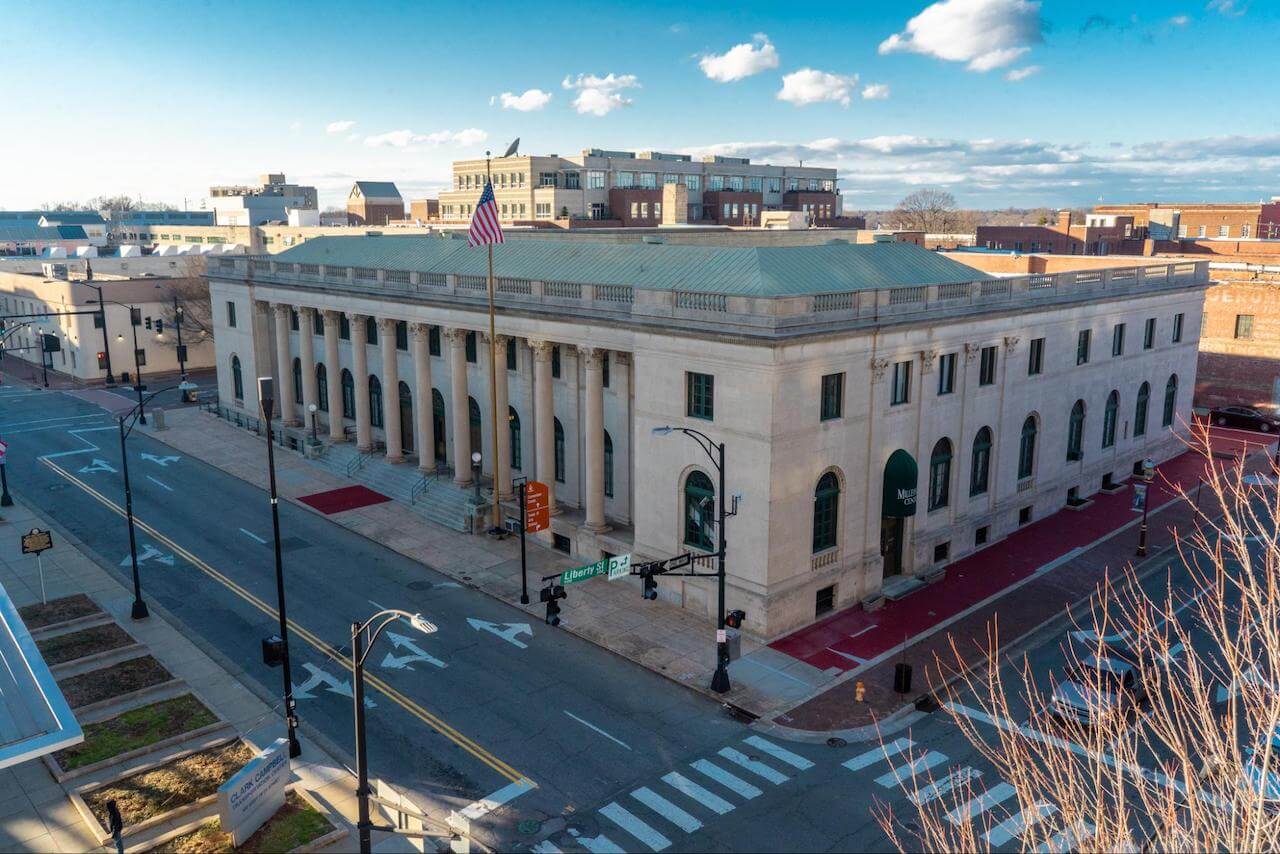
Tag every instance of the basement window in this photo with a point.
(824, 601)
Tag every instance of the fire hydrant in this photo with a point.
(859, 691)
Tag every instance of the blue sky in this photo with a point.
(1002, 102)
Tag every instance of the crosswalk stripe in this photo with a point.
(666, 809)
(758, 768)
(637, 828)
(1016, 825)
(779, 753)
(875, 754)
(1068, 839)
(685, 786)
(935, 790)
(724, 778)
(911, 769)
(546, 846)
(599, 845)
(996, 794)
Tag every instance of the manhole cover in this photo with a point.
(419, 585)
(466, 578)
(837, 741)
(529, 825)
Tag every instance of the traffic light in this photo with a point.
(135, 317)
(148, 322)
(159, 326)
(550, 595)
(650, 586)
(734, 619)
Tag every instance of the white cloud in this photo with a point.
(875, 91)
(407, 139)
(1179, 20)
(1231, 8)
(1015, 75)
(986, 34)
(339, 127)
(295, 125)
(741, 60)
(598, 96)
(529, 101)
(809, 86)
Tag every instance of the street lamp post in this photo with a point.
(6, 500)
(102, 320)
(475, 474)
(360, 648)
(182, 350)
(1148, 472)
(135, 317)
(266, 397)
(44, 362)
(312, 409)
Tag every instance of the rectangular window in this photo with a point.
(693, 182)
(344, 327)
(635, 210)
(1149, 334)
(293, 320)
(1244, 326)
(832, 396)
(572, 181)
(433, 341)
(1200, 232)
(595, 180)
(604, 370)
(649, 180)
(987, 366)
(1224, 230)
(715, 183)
(1177, 327)
(1244, 230)
(1117, 340)
(402, 335)
(555, 362)
(512, 351)
(1082, 347)
(625, 180)
(670, 178)
(824, 601)
(317, 322)
(901, 389)
(231, 314)
(946, 373)
(735, 183)
(1035, 357)
(980, 535)
(546, 179)
(471, 347)
(699, 395)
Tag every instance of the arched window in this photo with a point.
(940, 475)
(608, 464)
(297, 380)
(375, 401)
(699, 508)
(559, 451)
(1140, 410)
(1170, 400)
(1027, 448)
(513, 424)
(1075, 432)
(1109, 416)
(980, 464)
(348, 395)
(322, 387)
(237, 379)
(826, 511)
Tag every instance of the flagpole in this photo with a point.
(496, 526)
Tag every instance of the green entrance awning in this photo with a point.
(900, 477)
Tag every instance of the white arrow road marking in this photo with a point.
(507, 631)
(933, 791)
(148, 552)
(160, 483)
(416, 654)
(251, 535)
(96, 466)
(589, 725)
(320, 677)
(163, 462)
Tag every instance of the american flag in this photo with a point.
(484, 223)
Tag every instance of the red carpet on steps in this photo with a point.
(347, 498)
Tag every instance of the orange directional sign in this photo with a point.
(537, 507)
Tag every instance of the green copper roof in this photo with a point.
(744, 271)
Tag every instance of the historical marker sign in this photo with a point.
(537, 507)
(255, 793)
(36, 541)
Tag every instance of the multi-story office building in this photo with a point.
(270, 201)
(1170, 221)
(626, 186)
(841, 378)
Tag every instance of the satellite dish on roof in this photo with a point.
(513, 147)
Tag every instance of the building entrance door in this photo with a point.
(897, 503)
(891, 529)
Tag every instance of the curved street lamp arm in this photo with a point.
(134, 409)
(391, 615)
(704, 441)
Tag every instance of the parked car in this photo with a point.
(1084, 642)
(1244, 418)
(1101, 689)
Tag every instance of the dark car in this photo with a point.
(1245, 418)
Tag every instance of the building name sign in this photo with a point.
(255, 793)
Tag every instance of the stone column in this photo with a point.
(333, 375)
(360, 370)
(307, 355)
(544, 417)
(422, 403)
(502, 471)
(284, 368)
(593, 418)
(390, 389)
(461, 414)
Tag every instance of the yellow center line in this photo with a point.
(378, 684)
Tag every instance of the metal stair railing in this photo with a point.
(357, 462)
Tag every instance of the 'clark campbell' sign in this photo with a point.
(255, 793)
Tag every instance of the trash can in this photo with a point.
(733, 640)
(157, 419)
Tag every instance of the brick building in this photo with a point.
(1240, 342)
(1166, 221)
(374, 203)
(1099, 234)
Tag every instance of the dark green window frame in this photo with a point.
(700, 396)
(832, 397)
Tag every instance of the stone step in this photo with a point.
(900, 586)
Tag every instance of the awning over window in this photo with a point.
(900, 477)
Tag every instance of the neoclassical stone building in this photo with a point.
(1001, 399)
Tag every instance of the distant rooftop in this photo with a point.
(378, 189)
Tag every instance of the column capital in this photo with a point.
(387, 326)
(421, 332)
(541, 349)
(281, 309)
(457, 335)
(332, 317)
(305, 311)
(357, 319)
(500, 341)
(622, 357)
(971, 351)
(261, 306)
(591, 356)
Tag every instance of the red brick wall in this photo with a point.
(620, 202)
(1233, 370)
(713, 206)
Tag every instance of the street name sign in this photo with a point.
(614, 567)
(36, 541)
(255, 793)
(537, 507)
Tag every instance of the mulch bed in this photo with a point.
(132, 675)
(172, 785)
(136, 728)
(38, 616)
(294, 825)
(69, 647)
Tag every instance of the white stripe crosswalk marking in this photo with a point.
(546, 846)
(1016, 825)
(875, 754)
(687, 787)
(1072, 837)
(935, 790)
(600, 845)
(758, 768)
(637, 828)
(666, 809)
(911, 769)
(779, 753)
(724, 778)
(967, 811)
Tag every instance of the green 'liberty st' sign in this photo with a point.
(614, 567)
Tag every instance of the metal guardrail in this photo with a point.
(357, 463)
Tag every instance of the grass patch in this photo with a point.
(150, 793)
(69, 647)
(131, 675)
(136, 728)
(294, 825)
(38, 616)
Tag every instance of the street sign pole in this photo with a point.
(6, 500)
(524, 569)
